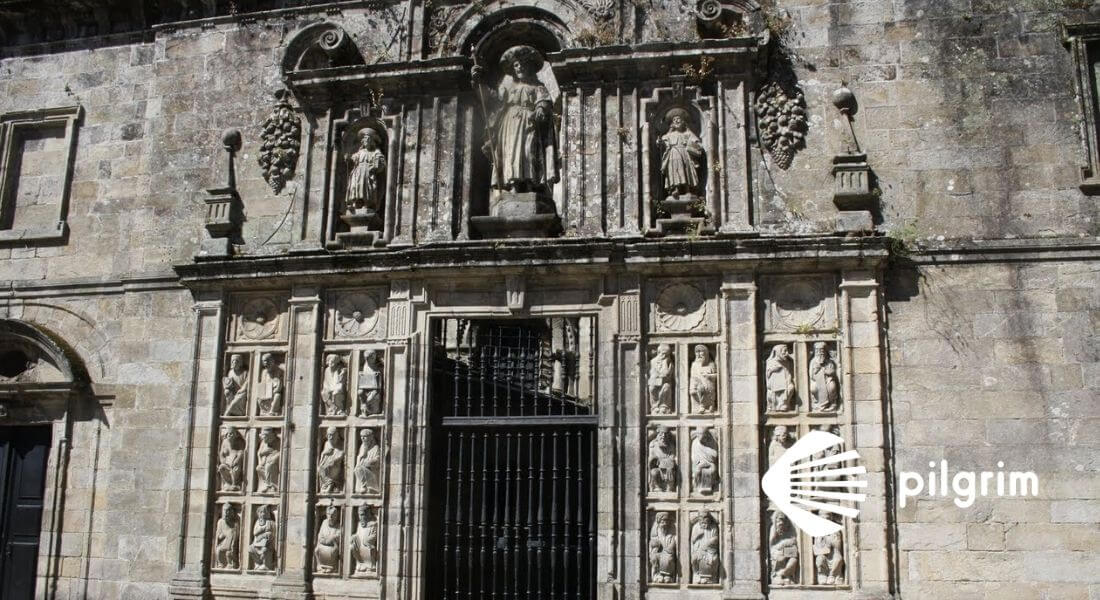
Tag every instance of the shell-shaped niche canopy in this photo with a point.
(321, 46)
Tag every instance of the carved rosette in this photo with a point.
(438, 21)
(781, 118)
(600, 9)
(281, 136)
(356, 315)
(259, 319)
(680, 307)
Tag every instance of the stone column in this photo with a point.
(742, 466)
(192, 579)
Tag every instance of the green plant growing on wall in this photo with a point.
(903, 238)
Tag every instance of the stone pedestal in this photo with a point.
(224, 214)
(682, 220)
(852, 193)
(518, 215)
(365, 229)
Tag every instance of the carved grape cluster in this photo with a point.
(282, 138)
(781, 115)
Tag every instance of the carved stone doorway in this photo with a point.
(23, 455)
(512, 502)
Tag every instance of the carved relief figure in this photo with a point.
(235, 388)
(664, 474)
(705, 561)
(704, 462)
(783, 550)
(231, 460)
(704, 382)
(367, 462)
(326, 554)
(826, 453)
(262, 549)
(824, 385)
(267, 461)
(523, 142)
(366, 188)
(664, 559)
(334, 387)
(330, 465)
(829, 558)
(662, 373)
(370, 383)
(364, 543)
(270, 400)
(779, 374)
(781, 440)
(227, 539)
(681, 155)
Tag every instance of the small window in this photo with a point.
(1084, 41)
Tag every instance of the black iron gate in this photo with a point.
(512, 489)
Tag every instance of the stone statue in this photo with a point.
(664, 474)
(824, 385)
(330, 465)
(829, 558)
(370, 383)
(662, 376)
(523, 138)
(704, 382)
(326, 554)
(267, 461)
(664, 559)
(334, 393)
(364, 543)
(231, 460)
(780, 377)
(783, 550)
(681, 155)
(706, 562)
(262, 549)
(367, 463)
(270, 400)
(826, 453)
(781, 440)
(235, 388)
(366, 188)
(227, 539)
(704, 462)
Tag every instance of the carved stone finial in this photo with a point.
(224, 212)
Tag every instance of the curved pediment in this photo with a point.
(31, 360)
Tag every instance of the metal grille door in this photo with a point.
(513, 510)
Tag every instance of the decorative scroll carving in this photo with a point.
(259, 319)
(231, 455)
(782, 550)
(780, 441)
(779, 374)
(367, 463)
(334, 387)
(330, 464)
(281, 136)
(664, 473)
(664, 555)
(439, 20)
(326, 553)
(706, 561)
(662, 381)
(262, 549)
(829, 564)
(227, 539)
(269, 401)
(356, 315)
(703, 387)
(364, 542)
(704, 462)
(267, 461)
(371, 384)
(824, 384)
(235, 387)
(781, 118)
(680, 307)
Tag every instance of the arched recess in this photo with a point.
(484, 31)
(34, 360)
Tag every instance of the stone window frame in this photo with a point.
(1083, 40)
(12, 126)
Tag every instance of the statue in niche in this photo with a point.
(334, 393)
(227, 539)
(681, 155)
(366, 189)
(704, 462)
(262, 549)
(780, 377)
(231, 460)
(270, 400)
(824, 385)
(235, 388)
(326, 554)
(330, 465)
(829, 557)
(783, 550)
(662, 374)
(706, 563)
(370, 384)
(664, 559)
(704, 382)
(364, 543)
(267, 461)
(367, 463)
(827, 453)
(781, 440)
(664, 474)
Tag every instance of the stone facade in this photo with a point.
(229, 231)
